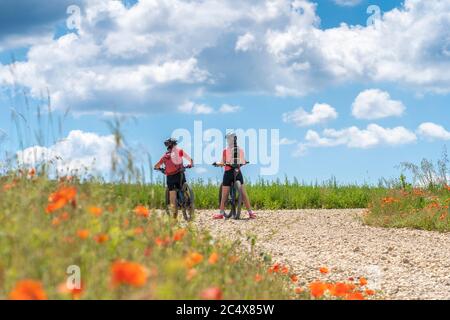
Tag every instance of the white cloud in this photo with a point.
(353, 137)
(433, 131)
(347, 3)
(155, 55)
(321, 113)
(200, 170)
(245, 42)
(376, 104)
(194, 108)
(79, 151)
(287, 142)
(227, 108)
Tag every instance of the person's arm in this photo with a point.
(188, 158)
(159, 163)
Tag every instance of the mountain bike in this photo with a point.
(234, 204)
(185, 196)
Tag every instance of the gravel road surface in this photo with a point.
(401, 263)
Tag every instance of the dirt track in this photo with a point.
(402, 263)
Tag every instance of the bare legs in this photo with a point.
(245, 198)
(173, 203)
(226, 191)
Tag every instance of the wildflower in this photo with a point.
(28, 290)
(193, 259)
(75, 293)
(162, 242)
(128, 273)
(341, 289)
(83, 234)
(233, 259)
(126, 223)
(447, 187)
(433, 205)
(65, 216)
(258, 278)
(141, 211)
(139, 230)
(191, 274)
(101, 238)
(95, 211)
(294, 278)
(362, 281)
(317, 289)
(275, 268)
(179, 234)
(56, 221)
(355, 296)
(213, 293)
(389, 200)
(298, 290)
(148, 252)
(284, 270)
(9, 186)
(324, 270)
(60, 198)
(68, 240)
(213, 258)
(369, 292)
(32, 172)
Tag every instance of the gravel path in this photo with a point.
(401, 263)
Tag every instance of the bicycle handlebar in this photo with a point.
(163, 170)
(220, 164)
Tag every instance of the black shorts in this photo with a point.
(228, 178)
(174, 181)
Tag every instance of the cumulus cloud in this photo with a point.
(155, 55)
(320, 113)
(245, 42)
(26, 22)
(433, 131)
(228, 108)
(347, 3)
(287, 142)
(79, 151)
(376, 104)
(195, 108)
(353, 137)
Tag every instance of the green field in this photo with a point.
(263, 195)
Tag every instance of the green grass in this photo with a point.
(41, 246)
(263, 195)
(425, 209)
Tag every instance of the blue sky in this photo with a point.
(381, 92)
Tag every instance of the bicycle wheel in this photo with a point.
(189, 203)
(229, 212)
(237, 200)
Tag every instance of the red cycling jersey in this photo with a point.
(173, 160)
(228, 157)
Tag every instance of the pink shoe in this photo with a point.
(218, 216)
(252, 215)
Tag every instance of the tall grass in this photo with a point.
(264, 195)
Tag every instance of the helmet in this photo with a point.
(230, 135)
(170, 142)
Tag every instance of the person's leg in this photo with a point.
(245, 198)
(173, 203)
(172, 184)
(225, 192)
(226, 182)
